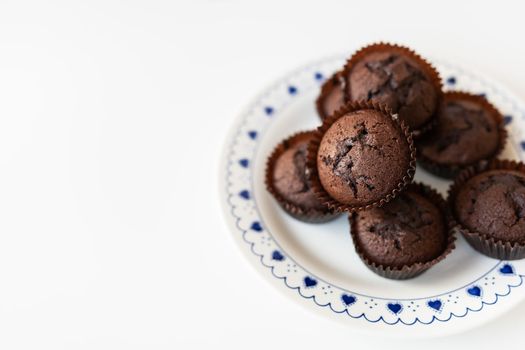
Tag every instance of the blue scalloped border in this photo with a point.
(230, 162)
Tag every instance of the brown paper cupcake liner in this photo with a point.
(452, 170)
(489, 246)
(313, 147)
(426, 66)
(410, 271)
(334, 82)
(311, 215)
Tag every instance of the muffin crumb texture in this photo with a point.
(395, 80)
(408, 230)
(290, 178)
(493, 203)
(465, 134)
(362, 157)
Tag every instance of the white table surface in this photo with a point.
(112, 118)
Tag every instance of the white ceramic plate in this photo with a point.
(316, 264)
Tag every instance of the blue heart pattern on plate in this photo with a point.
(245, 194)
(474, 291)
(435, 304)
(451, 81)
(394, 307)
(310, 282)
(348, 299)
(256, 226)
(276, 255)
(507, 269)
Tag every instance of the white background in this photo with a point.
(112, 118)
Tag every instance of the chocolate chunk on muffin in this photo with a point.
(469, 130)
(331, 97)
(406, 236)
(488, 204)
(363, 157)
(397, 77)
(286, 180)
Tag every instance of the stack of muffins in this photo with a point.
(380, 113)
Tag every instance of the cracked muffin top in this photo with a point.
(493, 203)
(392, 77)
(410, 229)
(289, 175)
(466, 133)
(362, 157)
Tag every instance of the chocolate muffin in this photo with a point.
(406, 236)
(488, 204)
(363, 156)
(286, 180)
(493, 203)
(469, 130)
(397, 77)
(331, 97)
